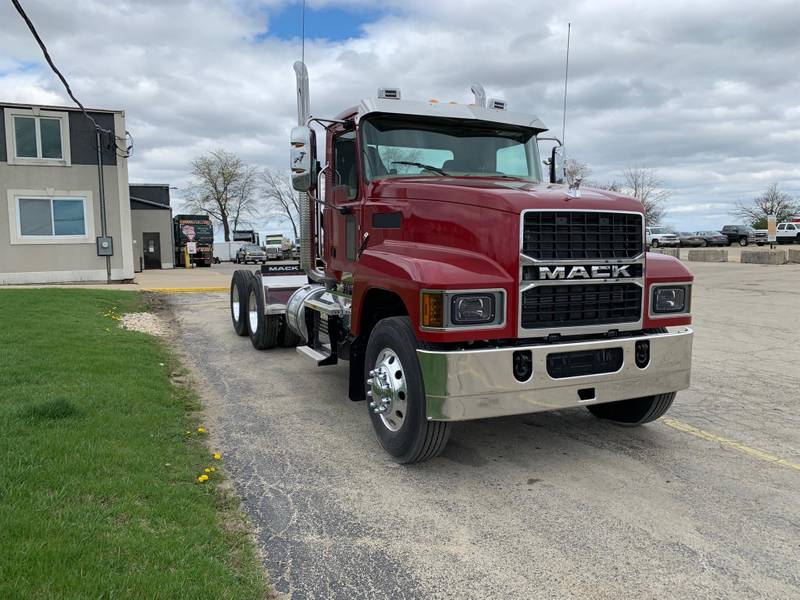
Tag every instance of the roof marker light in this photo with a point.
(389, 93)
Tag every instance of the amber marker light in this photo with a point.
(432, 309)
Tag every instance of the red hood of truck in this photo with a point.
(508, 195)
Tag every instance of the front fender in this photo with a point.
(405, 268)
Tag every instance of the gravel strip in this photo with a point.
(145, 322)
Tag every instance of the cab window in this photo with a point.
(344, 163)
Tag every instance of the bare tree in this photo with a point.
(771, 202)
(575, 169)
(646, 186)
(224, 187)
(282, 201)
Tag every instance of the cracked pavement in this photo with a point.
(550, 505)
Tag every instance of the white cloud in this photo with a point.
(703, 92)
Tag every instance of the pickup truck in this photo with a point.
(660, 236)
(743, 235)
(788, 233)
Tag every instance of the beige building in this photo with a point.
(151, 220)
(49, 180)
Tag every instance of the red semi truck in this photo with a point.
(459, 281)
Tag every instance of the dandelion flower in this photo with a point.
(216, 456)
(212, 469)
(207, 470)
(202, 479)
(201, 430)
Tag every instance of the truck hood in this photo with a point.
(507, 195)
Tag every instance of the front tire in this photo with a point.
(637, 411)
(654, 244)
(743, 242)
(396, 394)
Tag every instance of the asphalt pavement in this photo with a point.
(704, 503)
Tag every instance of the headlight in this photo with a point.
(472, 309)
(442, 310)
(670, 299)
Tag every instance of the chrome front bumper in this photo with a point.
(475, 384)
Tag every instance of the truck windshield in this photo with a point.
(401, 147)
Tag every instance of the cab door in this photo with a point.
(342, 212)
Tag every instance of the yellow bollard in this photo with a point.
(186, 260)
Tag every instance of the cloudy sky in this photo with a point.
(706, 92)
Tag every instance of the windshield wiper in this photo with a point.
(421, 166)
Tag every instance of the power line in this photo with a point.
(127, 150)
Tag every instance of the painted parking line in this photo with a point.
(734, 445)
(192, 290)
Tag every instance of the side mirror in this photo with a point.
(557, 165)
(302, 158)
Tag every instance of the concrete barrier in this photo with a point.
(764, 257)
(794, 255)
(676, 252)
(708, 255)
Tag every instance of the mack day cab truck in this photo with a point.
(461, 285)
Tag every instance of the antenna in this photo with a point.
(566, 78)
(303, 33)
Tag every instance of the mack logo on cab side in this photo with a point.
(581, 272)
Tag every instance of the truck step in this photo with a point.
(317, 355)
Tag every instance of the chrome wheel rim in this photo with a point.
(235, 305)
(386, 390)
(253, 312)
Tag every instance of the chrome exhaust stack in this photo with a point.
(304, 170)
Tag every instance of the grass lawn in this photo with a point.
(98, 491)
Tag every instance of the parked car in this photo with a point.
(661, 236)
(742, 235)
(251, 253)
(692, 240)
(788, 233)
(713, 238)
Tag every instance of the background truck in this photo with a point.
(661, 236)
(278, 247)
(226, 251)
(196, 229)
(744, 235)
(788, 233)
(248, 236)
(459, 281)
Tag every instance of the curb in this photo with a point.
(193, 290)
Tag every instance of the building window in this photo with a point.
(37, 137)
(51, 218)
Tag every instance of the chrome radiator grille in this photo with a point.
(556, 306)
(580, 272)
(581, 235)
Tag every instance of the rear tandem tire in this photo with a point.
(240, 283)
(415, 439)
(264, 329)
(636, 411)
